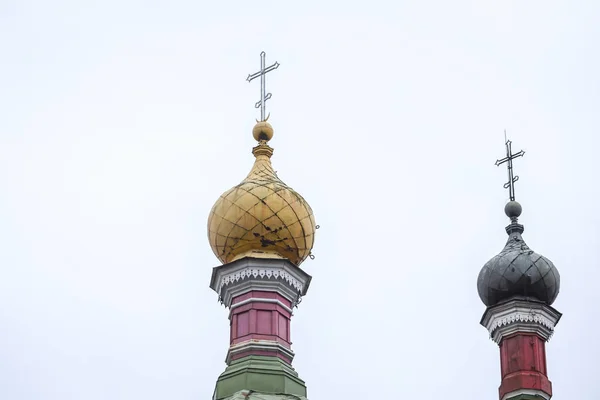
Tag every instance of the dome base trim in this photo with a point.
(520, 315)
(263, 274)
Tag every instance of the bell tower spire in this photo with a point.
(261, 230)
(518, 287)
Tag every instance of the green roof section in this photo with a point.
(251, 395)
(260, 374)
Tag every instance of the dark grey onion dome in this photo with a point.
(517, 270)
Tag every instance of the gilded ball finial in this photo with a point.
(262, 131)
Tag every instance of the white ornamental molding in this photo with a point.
(247, 274)
(515, 318)
(520, 316)
(268, 273)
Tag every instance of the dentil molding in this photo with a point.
(520, 315)
(247, 274)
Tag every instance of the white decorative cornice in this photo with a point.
(262, 345)
(247, 274)
(520, 315)
(264, 272)
(517, 317)
(530, 392)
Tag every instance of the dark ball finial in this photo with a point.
(513, 209)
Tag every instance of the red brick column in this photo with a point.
(523, 364)
(521, 327)
(260, 316)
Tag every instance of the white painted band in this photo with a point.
(260, 300)
(254, 344)
(530, 392)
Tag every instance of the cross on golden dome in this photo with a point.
(264, 96)
(262, 217)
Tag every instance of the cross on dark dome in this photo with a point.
(510, 185)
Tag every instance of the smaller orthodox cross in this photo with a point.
(510, 185)
(263, 95)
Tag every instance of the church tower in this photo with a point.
(261, 230)
(518, 286)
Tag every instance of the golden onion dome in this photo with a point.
(262, 216)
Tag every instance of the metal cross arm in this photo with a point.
(255, 75)
(264, 96)
(510, 185)
(512, 157)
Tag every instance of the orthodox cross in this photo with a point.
(510, 185)
(263, 95)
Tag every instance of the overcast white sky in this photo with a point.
(123, 121)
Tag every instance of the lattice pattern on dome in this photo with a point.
(261, 216)
(518, 271)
